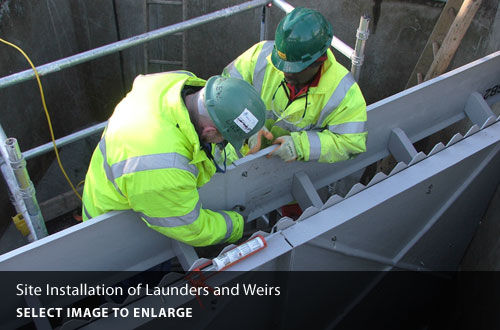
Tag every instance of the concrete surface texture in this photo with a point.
(87, 93)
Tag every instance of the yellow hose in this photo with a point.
(46, 114)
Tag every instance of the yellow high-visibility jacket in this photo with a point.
(329, 125)
(149, 160)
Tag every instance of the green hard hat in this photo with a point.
(235, 107)
(302, 36)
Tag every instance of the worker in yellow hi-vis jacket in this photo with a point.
(155, 153)
(316, 111)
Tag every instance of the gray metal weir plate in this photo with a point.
(398, 222)
(263, 184)
(91, 245)
(423, 216)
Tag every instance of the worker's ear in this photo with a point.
(209, 131)
(211, 134)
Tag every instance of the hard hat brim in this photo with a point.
(287, 66)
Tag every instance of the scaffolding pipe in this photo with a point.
(14, 193)
(263, 23)
(145, 49)
(359, 50)
(283, 5)
(22, 192)
(338, 44)
(44, 148)
(18, 164)
(184, 36)
(127, 43)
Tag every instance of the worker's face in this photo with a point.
(304, 77)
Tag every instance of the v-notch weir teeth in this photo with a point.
(309, 212)
(417, 158)
(472, 130)
(358, 187)
(376, 179)
(355, 189)
(437, 148)
(399, 167)
(488, 122)
(334, 199)
(457, 137)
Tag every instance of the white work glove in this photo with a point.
(255, 141)
(285, 150)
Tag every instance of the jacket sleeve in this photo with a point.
(243, 66)
(342, 134)
(168, 201)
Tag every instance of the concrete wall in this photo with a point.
(87, 93)
(48, 31)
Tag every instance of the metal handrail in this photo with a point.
(127, 43)
(40, 150)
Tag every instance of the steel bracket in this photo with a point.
(401, 147)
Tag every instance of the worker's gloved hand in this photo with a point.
(255, 142)
(285, 150)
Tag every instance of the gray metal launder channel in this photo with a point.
(372, 230)
(399, 220)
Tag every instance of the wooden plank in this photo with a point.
(438, 34)
(452, 40)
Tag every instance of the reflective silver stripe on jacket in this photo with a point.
(283, 124)
(153, 162)
(338, 95)
(229, 226)
(183, 220)
(261, 65)
(144, 163)
(107, 168)
(291, 127)
(86, 212)
(348, 128)
(232, 71)
(183, 71)
(314, 145)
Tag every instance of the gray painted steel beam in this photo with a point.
(401, 147)
(367, 237)
(377, 220)
(115, 241)
(477, 109)
(185, 253)
(303, 191)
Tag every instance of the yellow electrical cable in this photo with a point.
(80, 183)
(46, 114)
